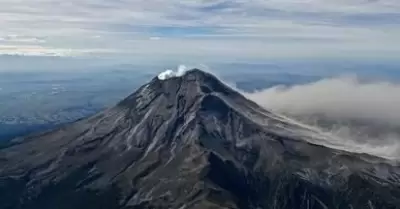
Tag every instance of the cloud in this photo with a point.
(37, 50)
(344, 97)
(266, 29)
(355, 115)
(21, 39)
(155, 38)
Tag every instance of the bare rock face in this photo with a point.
(190, 142)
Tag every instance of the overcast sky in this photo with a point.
(206, 29)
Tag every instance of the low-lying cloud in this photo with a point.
(363, 117)
(344, 97)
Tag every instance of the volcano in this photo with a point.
(190, 142)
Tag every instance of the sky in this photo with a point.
(201, 29)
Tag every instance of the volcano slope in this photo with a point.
(190, 142)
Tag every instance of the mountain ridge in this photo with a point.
(190, 142)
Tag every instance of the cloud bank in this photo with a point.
(362, 117)
(344, 97)
(201, 29)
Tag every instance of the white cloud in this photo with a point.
(37, 50)
(345, 97)
(284, 28)
(342, 6)
(21, 39)
(362, 117)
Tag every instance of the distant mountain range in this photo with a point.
(190, 142)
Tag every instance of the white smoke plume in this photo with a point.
(170, 73)
(342, 101)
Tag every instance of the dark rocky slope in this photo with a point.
(190, 142)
